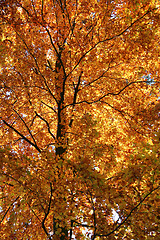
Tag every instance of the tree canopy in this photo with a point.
(79, 118)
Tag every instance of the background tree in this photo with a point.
(79, 121)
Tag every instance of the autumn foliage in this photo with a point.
(79, 119)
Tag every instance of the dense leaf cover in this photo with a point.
(79, 118)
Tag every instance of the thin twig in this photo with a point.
(106, 235)
(9, 209)
(46, 214)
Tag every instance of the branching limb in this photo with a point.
(76, 89)
(105, 95)
(57, 53)
(49, 130)
(20, 134)
(101, 76)
(108, 39)
(25, 126)
(38, 69)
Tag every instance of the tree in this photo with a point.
(79, 121)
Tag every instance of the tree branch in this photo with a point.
(8, 209)
(108, 39)
(49, 106)
(94, 217)
(25, 126)
(46, 214)
(20, 134)
(39, 71)
(106, 235)
(49, 130)
(105, 95)
(57, 53)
